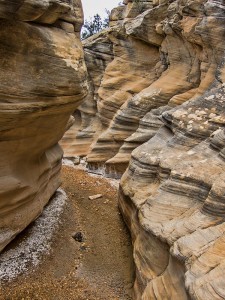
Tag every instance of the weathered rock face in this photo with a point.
(148, 59)
(163, 95)
(42, 80)
(172, 194)
(120, 66)
(86, 129)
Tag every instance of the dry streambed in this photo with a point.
(91, 253)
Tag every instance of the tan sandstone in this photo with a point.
(161, 108)
(42, 80)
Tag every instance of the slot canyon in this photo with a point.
(112, 151)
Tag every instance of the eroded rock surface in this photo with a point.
(156, 55)
(173, 191)
(86, 129)
(162, 97)
(42, 80)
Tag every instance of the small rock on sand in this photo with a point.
(93, 197)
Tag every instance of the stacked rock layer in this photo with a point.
(160, 102)
(43, 79)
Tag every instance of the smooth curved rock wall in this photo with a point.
(155, 54)
(43, 79)
(86, 129)
(169, 130)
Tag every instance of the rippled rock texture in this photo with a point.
(163, 97)
(156, 55)
(173, 193)
(43, 79)
(87, 127)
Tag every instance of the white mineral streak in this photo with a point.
(38, 240)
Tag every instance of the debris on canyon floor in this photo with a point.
(95, 197)
(79, 237)
(97, 267)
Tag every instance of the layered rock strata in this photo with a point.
(86, 129)
(119, 67)
(172, 194)
(147, 59)
(162, 97)
(42, 80)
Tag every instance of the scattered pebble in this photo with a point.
(95, 197)
(78, 236)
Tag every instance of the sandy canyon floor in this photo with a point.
(96, 264)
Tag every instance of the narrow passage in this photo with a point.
(91, 257)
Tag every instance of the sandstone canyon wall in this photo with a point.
(158, 104)
(43, 79)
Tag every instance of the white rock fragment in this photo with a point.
(212, 115)
(202, 113)
(191, 152)
(210, 97)
(93, 197)
(67, 162)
